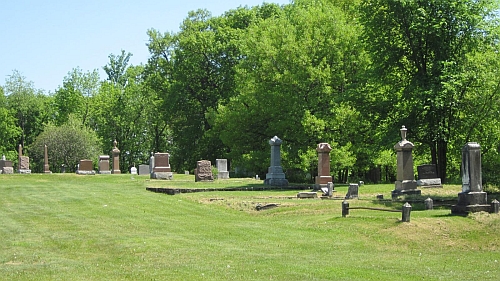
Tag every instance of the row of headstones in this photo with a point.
(6, 166)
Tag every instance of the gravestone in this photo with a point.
(85, 167)
(328, 190)
(104, 165)
(222, 169)
(275, 175)
(161, 167)
(6, 166)
(151, 163)
(133, 170)
(405, 179)
(116, 159)
(46, 168)
(23, 166)
(324, 176)
(427, 176)
(472, 198)
(353, 191)
(203, 171)
(143, 170)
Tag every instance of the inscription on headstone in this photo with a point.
(427, 176)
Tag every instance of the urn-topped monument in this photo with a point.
(405, 180)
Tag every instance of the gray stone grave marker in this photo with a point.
(143, 170)
(203, 171)
(275, 175)
(353, 191)
(104, 164)
(405, 179)
(222, 169)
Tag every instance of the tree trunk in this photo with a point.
(442, 150)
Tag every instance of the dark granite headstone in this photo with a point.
(427, 176)
(353, 191)
(85, 167)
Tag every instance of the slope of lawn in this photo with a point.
(108, 227)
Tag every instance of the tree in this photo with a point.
(29, 107)
(9, 132)
(417, 47)
(67, 145)
(299, 64)
(117, 67)
(75, 96)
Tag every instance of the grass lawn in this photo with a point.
(108, 227)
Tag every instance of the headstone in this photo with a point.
(46, 168)
(302, 195)
(222, 169)
(151, 163)
(427, 176)
(143, 170)
(161, 167)
(85, 167)
(116, 159)
(6, 166)
(203, 171)
(186, 172)
(472, 198)
(324, 176)
(275, 175)
(353, 191)
(104, 165)
(23, 166)
(405, 179)
(133, 170)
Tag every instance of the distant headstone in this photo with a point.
(23, 166)
(222, 172)
(203, 171)
(133, 170)
(324, 176)
(115, 152)
(46, 168)
(427, 176)
(353, 191)
(186, 172)
(328, 190)
(302, 195)
(85, 167)
(275, 175)
(143, 170)
(472, 198)
(405, 179)
(104, 164)
(6, 166)
(161, 168)
(151, 163)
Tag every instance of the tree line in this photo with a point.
(348, 72)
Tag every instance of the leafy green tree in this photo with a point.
(9, 132)
(67, 144)
(417, 48)
(298, 67)
(75, 96)
(117, 67)
(29, 106)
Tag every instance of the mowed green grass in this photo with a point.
(108, 227)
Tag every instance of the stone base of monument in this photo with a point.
(276, 182)
(307, 195)
(162, 175)
(24, 171)
(7, 170)
(223, 175)
(396, 193)
(430, 183)
(105, 172)
(82, 172)
(471, 202)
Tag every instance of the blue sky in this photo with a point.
(44, 40)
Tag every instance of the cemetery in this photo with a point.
(314, 140)
(129, 219)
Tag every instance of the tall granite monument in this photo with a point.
(116, 159)
(472, 198)
(324, 176)
(405, 179)
(275, 175)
